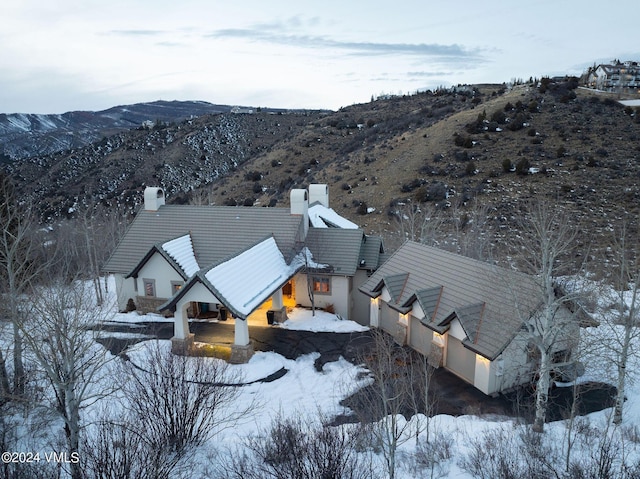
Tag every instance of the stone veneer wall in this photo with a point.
(149, 304)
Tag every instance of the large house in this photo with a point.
(189, 261)
(615, 77)
(467, 316)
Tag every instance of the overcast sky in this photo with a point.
(93, 54)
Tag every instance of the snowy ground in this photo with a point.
(321, 322)
(305, 392)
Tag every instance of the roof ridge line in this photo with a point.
(475, 340)
(435, 310)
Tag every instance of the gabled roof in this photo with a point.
(227, 280)
(371, 253)
(470, 317)
(429, 300)
(178, 252)
(395, 284)
(488, 301)
(181, 251)
(217, 232)
(339, 248)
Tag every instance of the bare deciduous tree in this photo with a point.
(180, 402)
(623, 325)
(202, 197)
(462, 230)
(298, 449)
(112, 451)
(543, 246)
(471, 234)
(390, 398)
(58, 335)
(87, 240)
(20, 266)
(422, 223)
(510, 453)
(315, 269)
(171, 405)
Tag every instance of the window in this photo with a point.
(563, 356)
(149, 287)
(176, 286)
(533, 353)
(321, 284)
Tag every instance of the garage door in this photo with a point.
(388, 319)
(460, 360)
(420, 336)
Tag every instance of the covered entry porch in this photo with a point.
(244, 286)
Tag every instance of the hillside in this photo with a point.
(24, 135)
(576, 148)
(178, 156)
(450, 150)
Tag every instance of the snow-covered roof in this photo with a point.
(249, 279)
(322, 217)
(181, 251)
(245, 281)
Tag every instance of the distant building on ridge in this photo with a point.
(616, 76)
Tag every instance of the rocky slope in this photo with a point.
(440, 152)
(179, 157)
(25, 135)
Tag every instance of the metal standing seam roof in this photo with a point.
(217, 232)
(489, 301)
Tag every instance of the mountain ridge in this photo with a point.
(24, 135)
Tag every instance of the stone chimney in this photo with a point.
(153, 198)
(299, 200)
(319, 193)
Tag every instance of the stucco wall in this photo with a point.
(360, 301)
(125, 289)
(516, 369)
(339, 296)
(162, 272)
(388, 318)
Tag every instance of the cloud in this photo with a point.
(264, 33)
(429, 74)
(136, 33)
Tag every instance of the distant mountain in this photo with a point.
(24, 135)
(178, 156)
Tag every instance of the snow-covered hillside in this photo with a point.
(456, 447)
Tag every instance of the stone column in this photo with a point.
(241, 349)
(183, 339)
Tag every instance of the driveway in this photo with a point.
(288, 343)
(451, 395)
